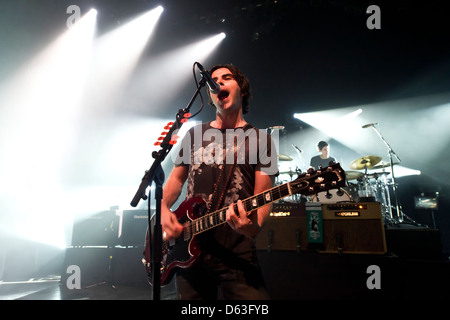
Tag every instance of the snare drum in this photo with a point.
(334, 196)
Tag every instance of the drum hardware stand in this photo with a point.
(400, 215)
(385, 195)
(365, 182)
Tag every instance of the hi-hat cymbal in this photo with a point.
(383, 165)
(376, 175)
(353, 175)
(365, 162)
(283, 157)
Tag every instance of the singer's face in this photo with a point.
(229, 98)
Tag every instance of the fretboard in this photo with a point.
(216, 218)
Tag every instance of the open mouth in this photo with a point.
(223, 94)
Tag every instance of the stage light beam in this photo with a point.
(40, 106)
(162, 76)
(115, 55)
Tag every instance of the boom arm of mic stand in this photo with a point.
(165, 149)
(391, 151)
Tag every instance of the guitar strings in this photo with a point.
(201, 224)
(216, 218)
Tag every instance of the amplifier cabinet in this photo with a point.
(284, 229)
(353, 228)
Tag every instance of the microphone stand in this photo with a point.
(400, 215)
(156, 174)
(302, 163)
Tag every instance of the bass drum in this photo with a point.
(334, 196)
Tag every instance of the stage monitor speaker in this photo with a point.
(353, 228)
(284, 229)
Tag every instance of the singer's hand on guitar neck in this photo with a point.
(242, 222)
(249, 223)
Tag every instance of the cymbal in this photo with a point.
(365, 162)
(283, 157)
(276, 128)
(290, 172)
(353, 175)
(383, 165)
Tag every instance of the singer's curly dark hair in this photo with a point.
(242, 81)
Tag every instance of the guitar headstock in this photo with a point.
(323, 179)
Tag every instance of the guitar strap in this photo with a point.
(225, 174)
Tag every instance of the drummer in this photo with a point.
(323, 158)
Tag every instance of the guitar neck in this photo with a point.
(311, 182)
(216, 218)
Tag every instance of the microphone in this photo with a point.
(369, 125)
(298, 149)
(213, 86)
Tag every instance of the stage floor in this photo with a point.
(289, 276)
(51, 288)
(413, 268)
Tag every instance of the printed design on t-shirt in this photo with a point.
(210, 155)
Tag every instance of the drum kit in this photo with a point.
(372, 183)
(367, 181)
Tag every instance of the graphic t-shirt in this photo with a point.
(204, 150)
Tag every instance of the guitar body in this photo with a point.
(181, 252)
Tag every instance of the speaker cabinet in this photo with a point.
(353, 228)
(134, 227)
(99, 229)
(105, 265)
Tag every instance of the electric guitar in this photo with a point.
(184, 251)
